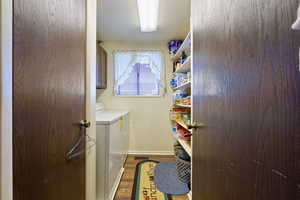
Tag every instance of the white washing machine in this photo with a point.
(112, 149)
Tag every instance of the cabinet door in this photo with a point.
(115, 155)
(101, 70)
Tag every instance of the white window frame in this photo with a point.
(162, 90)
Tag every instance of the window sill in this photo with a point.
(139, 96)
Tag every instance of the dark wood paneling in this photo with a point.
(48, 98)
(247, 92)
(101, 69)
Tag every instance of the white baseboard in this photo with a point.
(155, 153)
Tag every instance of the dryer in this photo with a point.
(112, 149)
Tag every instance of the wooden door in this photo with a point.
(247, 93)
(48, 98)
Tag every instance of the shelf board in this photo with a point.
(185, 67)
(182, 105)
(183, 125)
(183, 86)
(185, 45)
(186, 145)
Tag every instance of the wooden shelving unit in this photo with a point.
(183, 86)
(183, 105)
(186, 45)
(183, 125)
(187, 145)
(185, 67)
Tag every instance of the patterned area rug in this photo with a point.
(144, 187)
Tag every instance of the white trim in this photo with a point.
(91, 10)
(139, 96)
(190, 195)
(138, 50)
(155, 153)
(6, 173)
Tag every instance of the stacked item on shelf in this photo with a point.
(186, 118)
(181, 133)
(173, 46)
(180, 79)
(180, 83)
(180, 62)
(185, 101)
(180, 97)
(182, 118)
(180, 115)
(180, 52)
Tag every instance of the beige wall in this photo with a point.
(149, 117)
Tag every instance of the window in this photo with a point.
(139, 73)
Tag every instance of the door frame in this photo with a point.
(6, 100)
(6, 43)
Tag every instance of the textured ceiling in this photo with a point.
(118, 21)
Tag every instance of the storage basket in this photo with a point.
(183, 170)
(180, 152)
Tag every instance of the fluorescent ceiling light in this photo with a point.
(148, 13)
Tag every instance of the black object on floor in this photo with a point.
(141, 158)
(166, 179)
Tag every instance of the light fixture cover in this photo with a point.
(148, 14)
(296, 25)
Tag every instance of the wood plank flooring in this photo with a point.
(125, 188)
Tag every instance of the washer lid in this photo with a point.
(110, 116)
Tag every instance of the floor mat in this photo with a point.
(144, 187)
(166, 179)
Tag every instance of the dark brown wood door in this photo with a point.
(48, 98)
(247, 93)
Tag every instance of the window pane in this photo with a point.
(130, 86)
(148, 82)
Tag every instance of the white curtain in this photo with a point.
(125, 61)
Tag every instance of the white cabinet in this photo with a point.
(112, 150)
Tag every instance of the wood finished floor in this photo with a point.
(125, 188)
